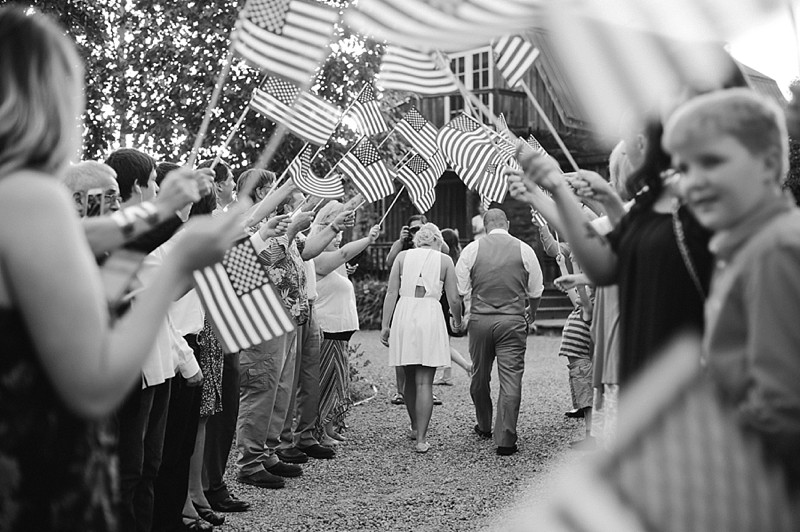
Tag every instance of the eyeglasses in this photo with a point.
(111, 197)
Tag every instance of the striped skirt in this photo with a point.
(334, 381)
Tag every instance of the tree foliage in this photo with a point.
(151, 68)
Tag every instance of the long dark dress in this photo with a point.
(657, 296)
(57, 470)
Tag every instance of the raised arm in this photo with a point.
(316, 243)
(56, 285)
(592, 250)
(389, 302)
(269, 203)
(328, 261)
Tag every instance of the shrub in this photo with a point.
(360, 389)
(370, 293)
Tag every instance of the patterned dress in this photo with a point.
(58, 472)
(210, 358)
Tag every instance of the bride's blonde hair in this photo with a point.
(428, 235)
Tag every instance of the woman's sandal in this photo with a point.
(195, 524)
(209, 515)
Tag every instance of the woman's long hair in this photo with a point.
(450, 237)
(645, 183)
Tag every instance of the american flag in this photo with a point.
(363, 164)
(494, 184)
(287, 38)
(367, 114)
(239, 300)
(417, 176)
(502, 126)
(405, 69)
(513, 57)
(468, 147)
(486, 203)
(619, 58)
(307, 116)
(300, 171)
(443, 24)
(424, 202)
(418, 132)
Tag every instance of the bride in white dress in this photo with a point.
(417, 337)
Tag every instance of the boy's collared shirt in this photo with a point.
(752, 339)
(286, 271)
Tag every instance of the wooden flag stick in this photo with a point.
(223, 75)
(360, 205)
(796, 30)
(286, 170)
(549, 125)
(330, 172)
(387, 136)
(341, 117)
(396, 197)
(228, 140)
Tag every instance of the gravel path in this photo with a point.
(377, 482)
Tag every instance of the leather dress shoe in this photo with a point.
(482, 433)
(228, 504)
(292, 455)
(285, 470)
(262, 479)
(320, 452)
(507, 451)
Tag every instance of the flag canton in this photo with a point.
(366, 153)
(533, 143)
(269, 14)
(281, 90)
(491, 168)
(415, 119)
(367, 95)
(417, 164)
(243, 269)
(463, 123)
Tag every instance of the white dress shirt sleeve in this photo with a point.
(535, 286)
(464, 268)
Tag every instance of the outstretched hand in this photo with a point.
(275, 226)
(539, 169)
(207, 238)
(570, 281)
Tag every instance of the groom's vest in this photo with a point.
(499, 278)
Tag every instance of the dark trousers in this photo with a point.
(172, 482)
(220, 429)
(502, 338)
(140, 424)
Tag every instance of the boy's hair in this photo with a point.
(132, 166)
(162, 169)
(262, 178)
(755, 122)
(221, 169)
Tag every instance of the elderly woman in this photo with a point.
(63, 368)
(338, 320)
(417, 339)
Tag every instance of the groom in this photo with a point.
(505, 279)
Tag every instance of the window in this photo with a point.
(474, 70)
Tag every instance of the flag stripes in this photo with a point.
(287, 38)
(513, 57)
(418, 176)
(307, 116)
(367, 114)
(425, 202)
(494, 185)
(468, 147)
(241, 305)
(304, 178)
(419, 133)
(405, 69)
(363, 164)
(444, 25)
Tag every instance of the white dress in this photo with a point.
(418, 334)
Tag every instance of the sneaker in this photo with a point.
(285, 470)
(443, 382)
(436, 400)
(292, 455)
(397, 399)
(320, 452)
(262, 479)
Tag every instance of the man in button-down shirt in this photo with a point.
(504, 278)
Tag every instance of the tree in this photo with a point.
(793, 178)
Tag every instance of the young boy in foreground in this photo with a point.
(731, 148)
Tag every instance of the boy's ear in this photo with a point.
(773, 162)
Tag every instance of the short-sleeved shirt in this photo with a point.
(286, 271)
(657, 296)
